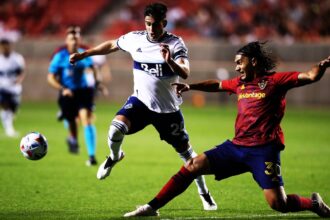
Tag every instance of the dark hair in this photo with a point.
(4, 41)
(73, 29)
(156, 10)
(259, 51)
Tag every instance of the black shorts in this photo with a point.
(82, 99)
(170, 126)
(10, 100)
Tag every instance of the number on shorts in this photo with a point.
(272, 168)
(177, 128)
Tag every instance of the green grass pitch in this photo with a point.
(60, 186)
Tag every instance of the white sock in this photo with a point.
(116, 134)
(200, 181)
(7, 118)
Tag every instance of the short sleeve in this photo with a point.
(54, 65)
(230, 85)
(287, 80)
(125, 42)
(180, 50)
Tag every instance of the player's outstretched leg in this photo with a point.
(117, 131)
(207, 200)
(174, 187)
(319, 207)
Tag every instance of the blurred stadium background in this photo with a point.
(212, 29)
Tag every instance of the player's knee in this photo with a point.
(278, 205)
(195, 166)
(117, 130)
(180, 148)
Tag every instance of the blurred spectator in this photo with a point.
(238, 21)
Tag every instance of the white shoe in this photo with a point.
(208, 202)
(105, 168)
(144, 210)
(12, 133)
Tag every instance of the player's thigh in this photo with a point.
(68, 107)
(171, 128)
(199, 165)
(135, 113)
(9, 101)
(265, 165)
(226, 160)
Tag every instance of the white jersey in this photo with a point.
(152, 75)
(10, 68)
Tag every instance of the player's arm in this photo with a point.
(98, 82)
(51, 79)
(211, 85)
(179, 66)
(315, 73)
(102, 49)
(20, 77)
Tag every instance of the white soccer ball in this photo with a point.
(34, 146)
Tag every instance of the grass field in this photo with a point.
(60, 186)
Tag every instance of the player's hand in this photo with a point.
(180, 88)
(165, 51)
(325, 63)
(75, 57)
(67, 92)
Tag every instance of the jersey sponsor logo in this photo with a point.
(256, 95)
(139, 50)
(157, 69)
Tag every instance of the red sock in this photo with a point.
(296, 203)
(175, 186)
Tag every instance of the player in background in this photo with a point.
(258, 137)
(160, 58)
(76, 96)
(100, 63)
(12, 66)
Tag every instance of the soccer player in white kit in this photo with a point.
(160, 58)
(12, 66)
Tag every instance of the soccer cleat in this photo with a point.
(72, 145)
(208, 202)
(144, 210)
(105, 168)
(91, 162)
(12, 133)
(319, 207)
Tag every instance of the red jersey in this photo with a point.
(261, 105)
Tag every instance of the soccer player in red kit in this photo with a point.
(258, 137)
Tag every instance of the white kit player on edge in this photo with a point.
(12, 66)
(160, 58)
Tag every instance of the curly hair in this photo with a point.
(265, 57)
(156, 10)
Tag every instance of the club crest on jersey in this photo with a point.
(262, 85)
(242, 87)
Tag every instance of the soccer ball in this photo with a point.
(34, 146)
